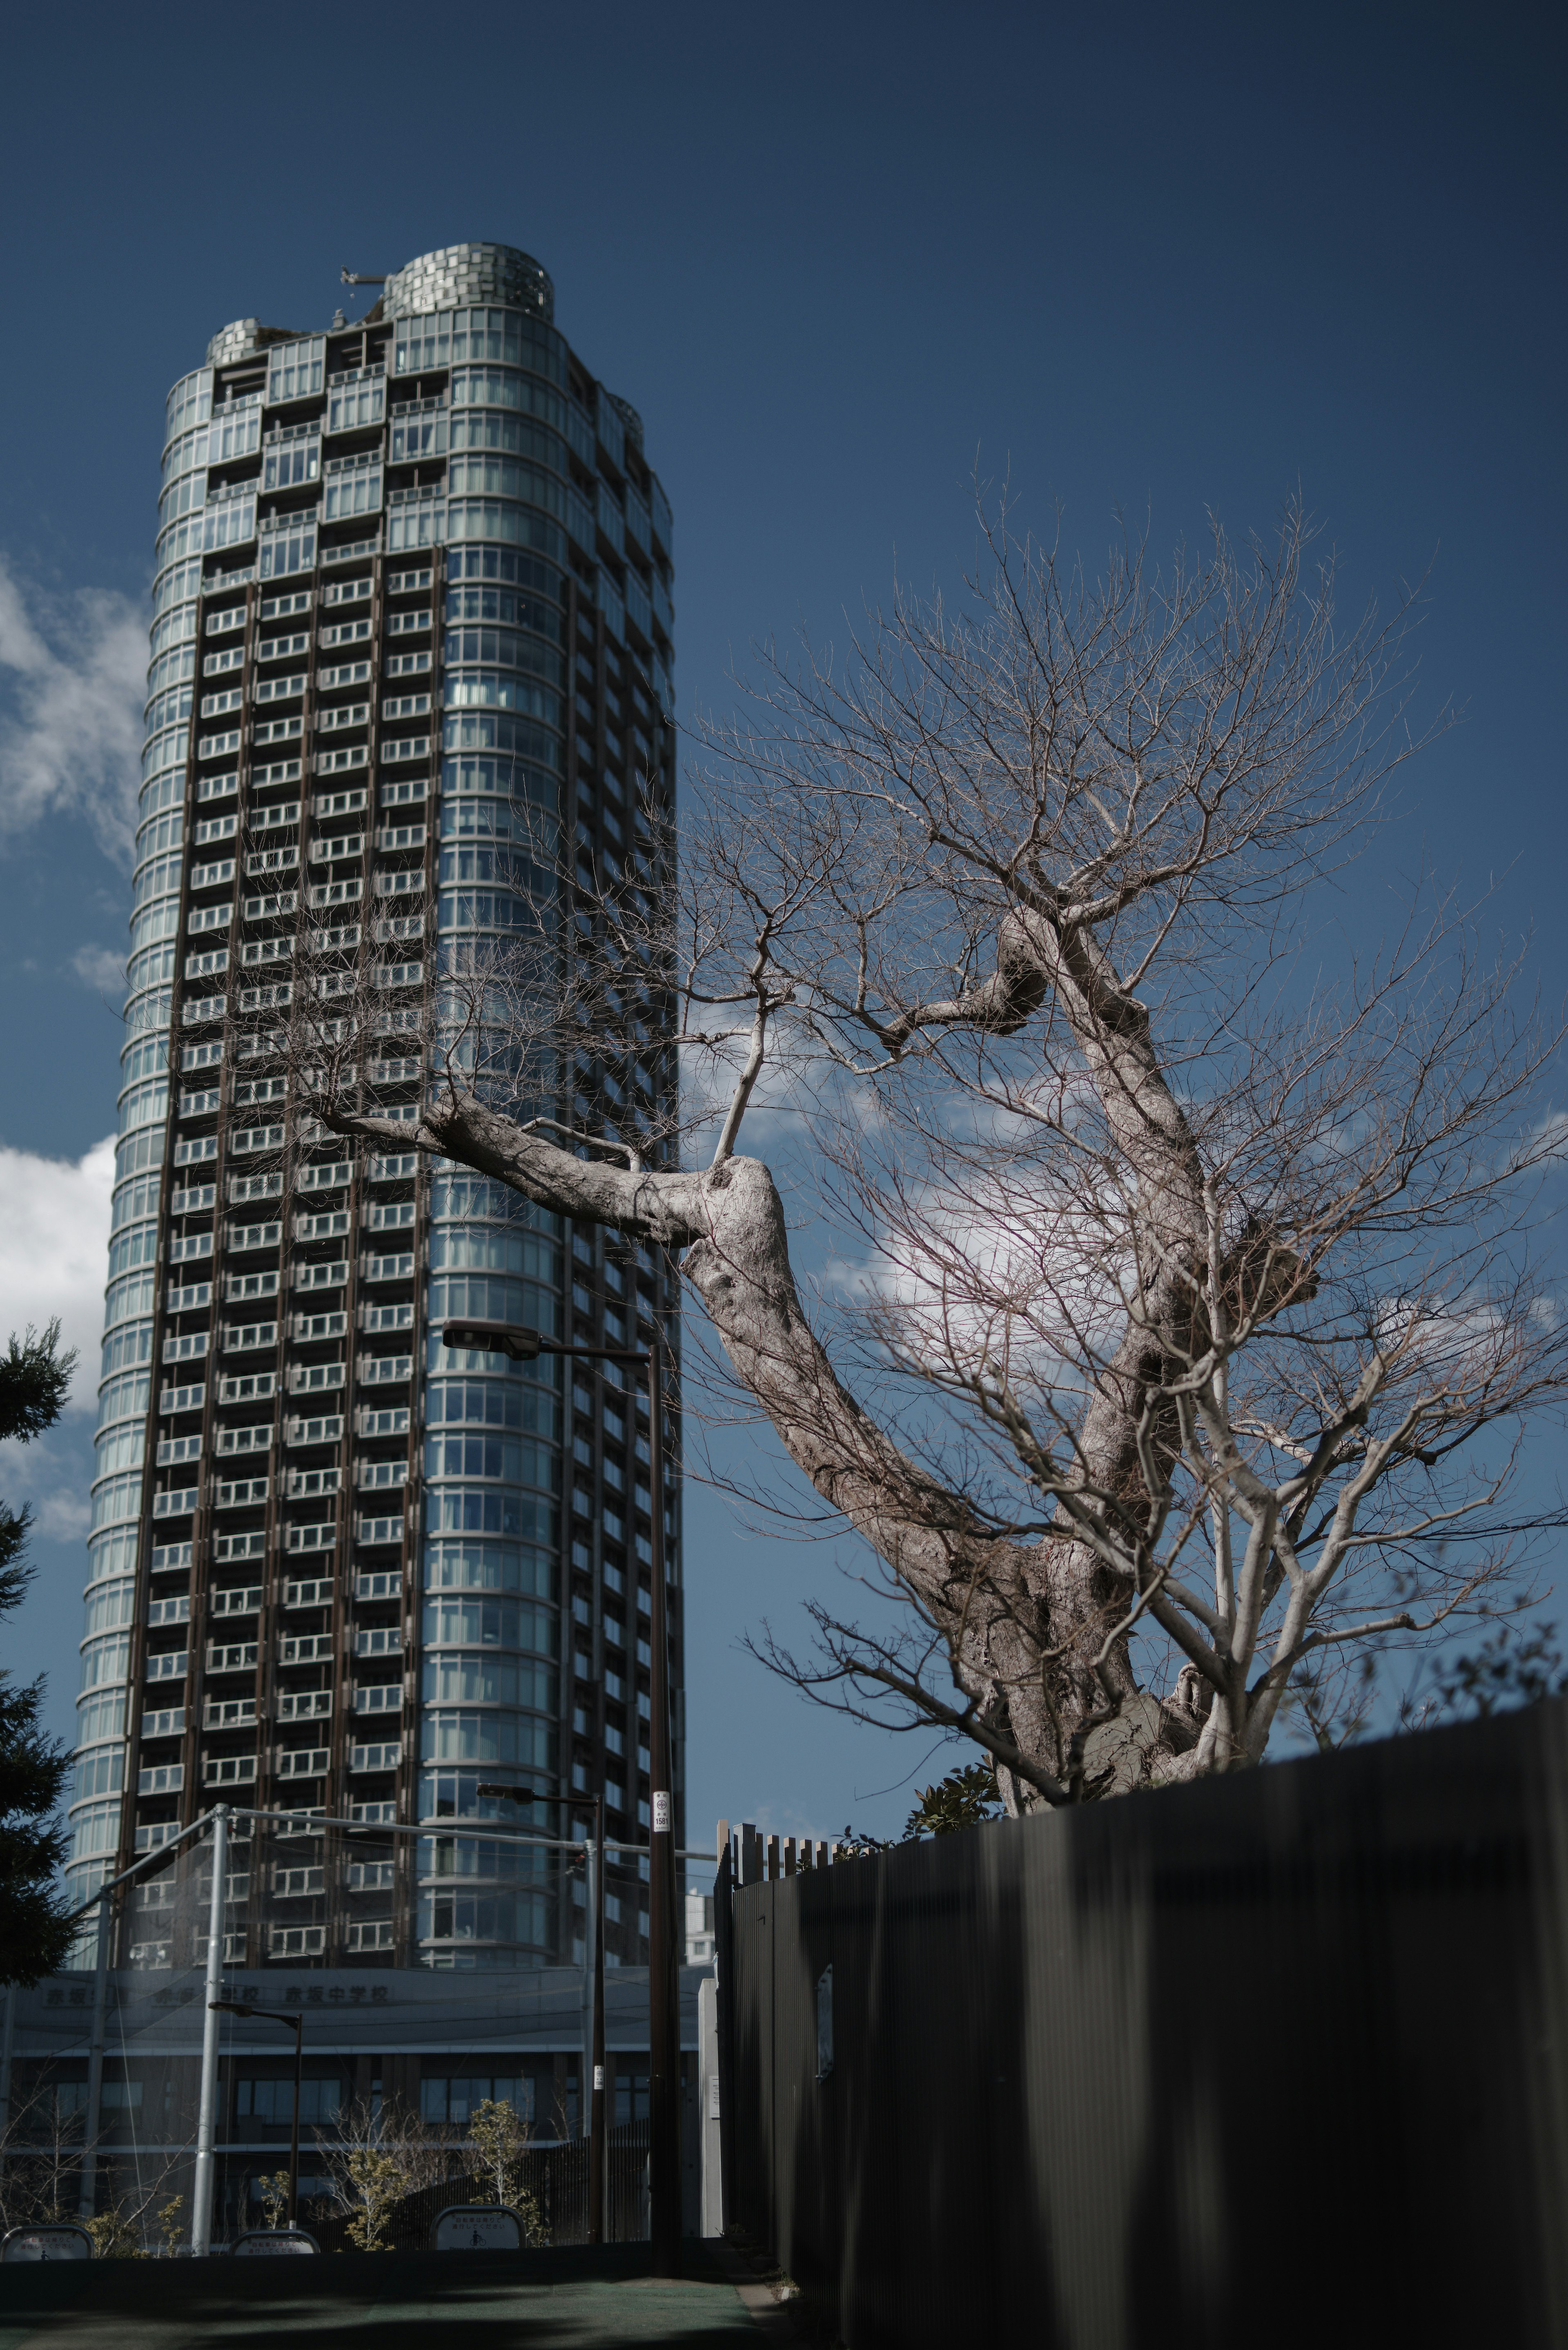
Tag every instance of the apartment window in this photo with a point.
(353, 486)
(286, 546)
(418, 432)
(289, 463)
(295, 371)
(355, 401)
(235, 432)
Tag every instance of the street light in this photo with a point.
(274, 2016)
(597, 2134)
(663, 1964)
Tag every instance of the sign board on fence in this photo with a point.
(478, 2227)
(58, 2242)
(264, 2243)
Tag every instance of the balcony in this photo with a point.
(233, 1657)
(229, 1714)
(391, 1421)
(314, 1431)
(232, 1440)
(260, 862)
(242, 1287)
(319, 1593)
(386, 1317)
(242, 1494)
(240, 1239)
(333, 1275)
(303, 1705)
(244, 1599)
(307, 1649)
(248, 1337)
(324, 894)
(307, 1484)
(228, 1548)
(321, 1536)
(331, 1224)
(373, 1533)
(378, 1476)
(387, 1268)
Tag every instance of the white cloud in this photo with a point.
(54, 1244)
(71, 740)
(57, 1489)
(100, 969)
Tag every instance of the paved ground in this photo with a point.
(567, 2300)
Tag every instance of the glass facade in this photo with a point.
(413, 580)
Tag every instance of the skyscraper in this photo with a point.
(412, 595)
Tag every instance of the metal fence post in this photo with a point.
(6, 2046)
(86, 2201)
(202, 2198)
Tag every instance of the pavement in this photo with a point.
(566, 2299)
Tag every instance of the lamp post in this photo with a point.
(598, 2139)
(663, 1964)
(276, 2015)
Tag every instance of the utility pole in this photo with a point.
(598, 2114)
(663, 1948)
(202, 2198)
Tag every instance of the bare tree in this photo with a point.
(377, 2155)
(41, 2155)
(1200, 1312)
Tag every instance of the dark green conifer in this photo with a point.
(35, 1377)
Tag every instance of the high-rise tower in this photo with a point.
(412, 593)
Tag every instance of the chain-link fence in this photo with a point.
(418, 2086)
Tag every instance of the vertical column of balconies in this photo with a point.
(116, 1611)
(619, 1294)
(389, 1266)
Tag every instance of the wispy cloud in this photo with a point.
(58, 1490)
(54, 1244)
(100, 969)
(76, 668)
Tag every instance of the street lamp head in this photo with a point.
(230, 2007)
(491, 1339)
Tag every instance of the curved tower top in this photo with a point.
(459, 274)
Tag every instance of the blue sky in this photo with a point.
(1162, 261)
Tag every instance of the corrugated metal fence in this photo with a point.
(1280, 2058)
